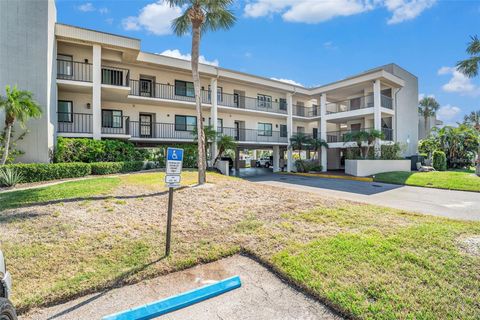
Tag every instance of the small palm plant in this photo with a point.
(19, 107)
(364, 140)
(224, 143)
(210, 136)
(299, 142)
(9, 177)
(316, 144)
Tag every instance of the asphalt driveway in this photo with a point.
(444, 203)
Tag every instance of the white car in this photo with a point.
(7, 311)
(264, 162)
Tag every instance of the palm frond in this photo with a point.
(474, 46)
(469, 67)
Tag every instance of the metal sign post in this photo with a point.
(172, 180)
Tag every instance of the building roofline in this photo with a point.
(97, 31)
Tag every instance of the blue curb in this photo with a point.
(182, 300)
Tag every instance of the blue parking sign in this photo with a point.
(174, 154)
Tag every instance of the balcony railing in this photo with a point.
(164, 91)
(253, 135)
(358, 103)
(340, 136)
(73, 70)
(116, 125)
(308, 112)
(74, 122)
(249, 103)
(115, 76)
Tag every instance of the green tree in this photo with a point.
(470, 66)
(224, 143)
(460, 144)
(199, 17)
(472, 119)
(19, 106)
(300, 142)
(316, 144)
(427, 107)
(210, 136)
(364, 140)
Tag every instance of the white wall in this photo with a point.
(27, 59)
(363, 168)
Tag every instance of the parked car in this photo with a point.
(7, 311)
(265, 162)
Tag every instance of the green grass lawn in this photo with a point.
(465, 180)
(367, 261)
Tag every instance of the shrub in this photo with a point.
(307, 166)
(190, 154)
(10, 177)
(101, 168)
(390, 152)
(439, 160)
(35, 172)
(89, 150)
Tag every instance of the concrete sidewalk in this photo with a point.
(444, 203)
(262, 296)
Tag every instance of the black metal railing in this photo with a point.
(165, 91)
(249, 103)
(115, 76)
(340, 136)
(308, 112)
(116, 125)
(69, 122)
(73, 70)
(253, 135)
(358, 103)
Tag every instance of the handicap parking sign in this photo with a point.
(174, 154)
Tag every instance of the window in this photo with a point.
(184, 88)
(283, 104)
(264, 129)
(64, 65)
(112, 119)
(185, 123)
(264, 101)
(315, 133)
(356, 127)
(355, 103)
(65, 109)
(283, 131)
(145, 87)
(219, 124)
(300, 129)
(219, 93)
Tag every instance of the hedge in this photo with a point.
(100, 168)
(89, 150)
(439, 160)
(35, 172)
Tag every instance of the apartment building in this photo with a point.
(98, 85)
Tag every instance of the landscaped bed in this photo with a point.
(367, 261)
(465, 180)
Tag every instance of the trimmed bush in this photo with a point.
(101, 168)
(89, 150)
(439, 160)
(35, 172)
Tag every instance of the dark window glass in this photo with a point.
(112, 119)
(65, 111)
(283, 130)
(264, 129)
(184, 88)
(315, 133)
(283, 104)
(185, 123)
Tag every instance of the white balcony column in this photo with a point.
(323, 129)
(97, 93)
(289, 131)
(394, 117)
(377, 114)
(276, 158)
(214, 114)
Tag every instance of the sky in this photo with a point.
(313, 42)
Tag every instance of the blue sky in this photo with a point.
(313, 42)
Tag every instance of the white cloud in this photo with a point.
(329, 45)
(449, 114)
(288, 81)
(89, 7)
(309, 11)
(458, 83)
(155, 17)
(175, 53)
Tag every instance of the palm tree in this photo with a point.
(299, 142)
(210, 136)
(199, 17)
(473, 119)
(427, 108)
(224, 143)
(363, 137)
(19, 106)
(316, 144)
(470, 66)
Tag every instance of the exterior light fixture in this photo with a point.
(89, 106)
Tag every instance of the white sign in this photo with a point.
(174, 167)
(172, 179)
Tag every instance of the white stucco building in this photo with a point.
(99, 85)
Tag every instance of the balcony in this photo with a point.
(339, 136)
(80, 123)
(253, 135)
(74, 71)
(148, 89)
(114, 76)
(308, 112)
(357, 104)
(116, 125)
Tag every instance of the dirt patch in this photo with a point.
(470, 245)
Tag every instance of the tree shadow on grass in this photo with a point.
(118, 282)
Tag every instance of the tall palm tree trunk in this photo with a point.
(202, 163)
(425, 118)
(8, 133)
